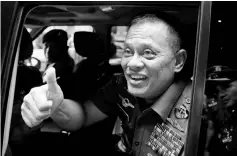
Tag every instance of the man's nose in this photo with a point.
(135, 63)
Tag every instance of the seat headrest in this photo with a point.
(26, 45)
(88, 44)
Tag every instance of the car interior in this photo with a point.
(97, 52)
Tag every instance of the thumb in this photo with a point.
(54, 91)
(51, 80)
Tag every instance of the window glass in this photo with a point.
(38, 45)
(118, 34)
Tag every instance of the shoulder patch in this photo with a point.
(181, 110)
(179, 116)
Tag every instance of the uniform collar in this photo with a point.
(165, 103)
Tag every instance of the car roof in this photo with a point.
(109, 13)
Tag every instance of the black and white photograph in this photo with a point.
(118, 78)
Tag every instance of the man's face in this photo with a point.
(148, 60)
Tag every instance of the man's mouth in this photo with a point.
(138, 77)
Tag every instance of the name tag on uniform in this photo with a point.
(164, 141)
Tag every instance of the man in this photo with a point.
(221, 91)
(151, 99)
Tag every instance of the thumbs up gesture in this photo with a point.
(41, 102)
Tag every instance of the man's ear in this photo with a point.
(181, 57)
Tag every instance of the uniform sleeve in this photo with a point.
(106, 98)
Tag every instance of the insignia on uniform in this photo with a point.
(175, 124)
(126, 102)
(181, 112)
(164, 141)
(187, 100)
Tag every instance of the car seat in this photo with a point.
(91, 74)
(94, 69)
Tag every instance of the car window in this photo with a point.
(118, 34)
(38, 45)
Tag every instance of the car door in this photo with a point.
(10, 35)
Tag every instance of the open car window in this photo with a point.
(102, 18)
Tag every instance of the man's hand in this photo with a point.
(42, 101)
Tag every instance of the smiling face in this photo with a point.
(148, 60)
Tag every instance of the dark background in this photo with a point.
(223, 39)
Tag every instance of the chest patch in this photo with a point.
(164, 141)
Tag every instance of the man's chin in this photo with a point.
(137, 92)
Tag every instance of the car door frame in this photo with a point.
(14, 16)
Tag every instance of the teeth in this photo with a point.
(137, 77)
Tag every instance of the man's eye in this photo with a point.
(149, 54)
(127, 52)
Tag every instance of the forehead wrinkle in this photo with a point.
(138, 32)
(144, 32)
(170, 36)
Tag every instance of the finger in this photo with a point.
(37, 113)
(28, 114)
(51, 80)
(27, 122)
(38, 98)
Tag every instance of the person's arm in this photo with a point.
(72, 116)
(48, 101)
(75, 115)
